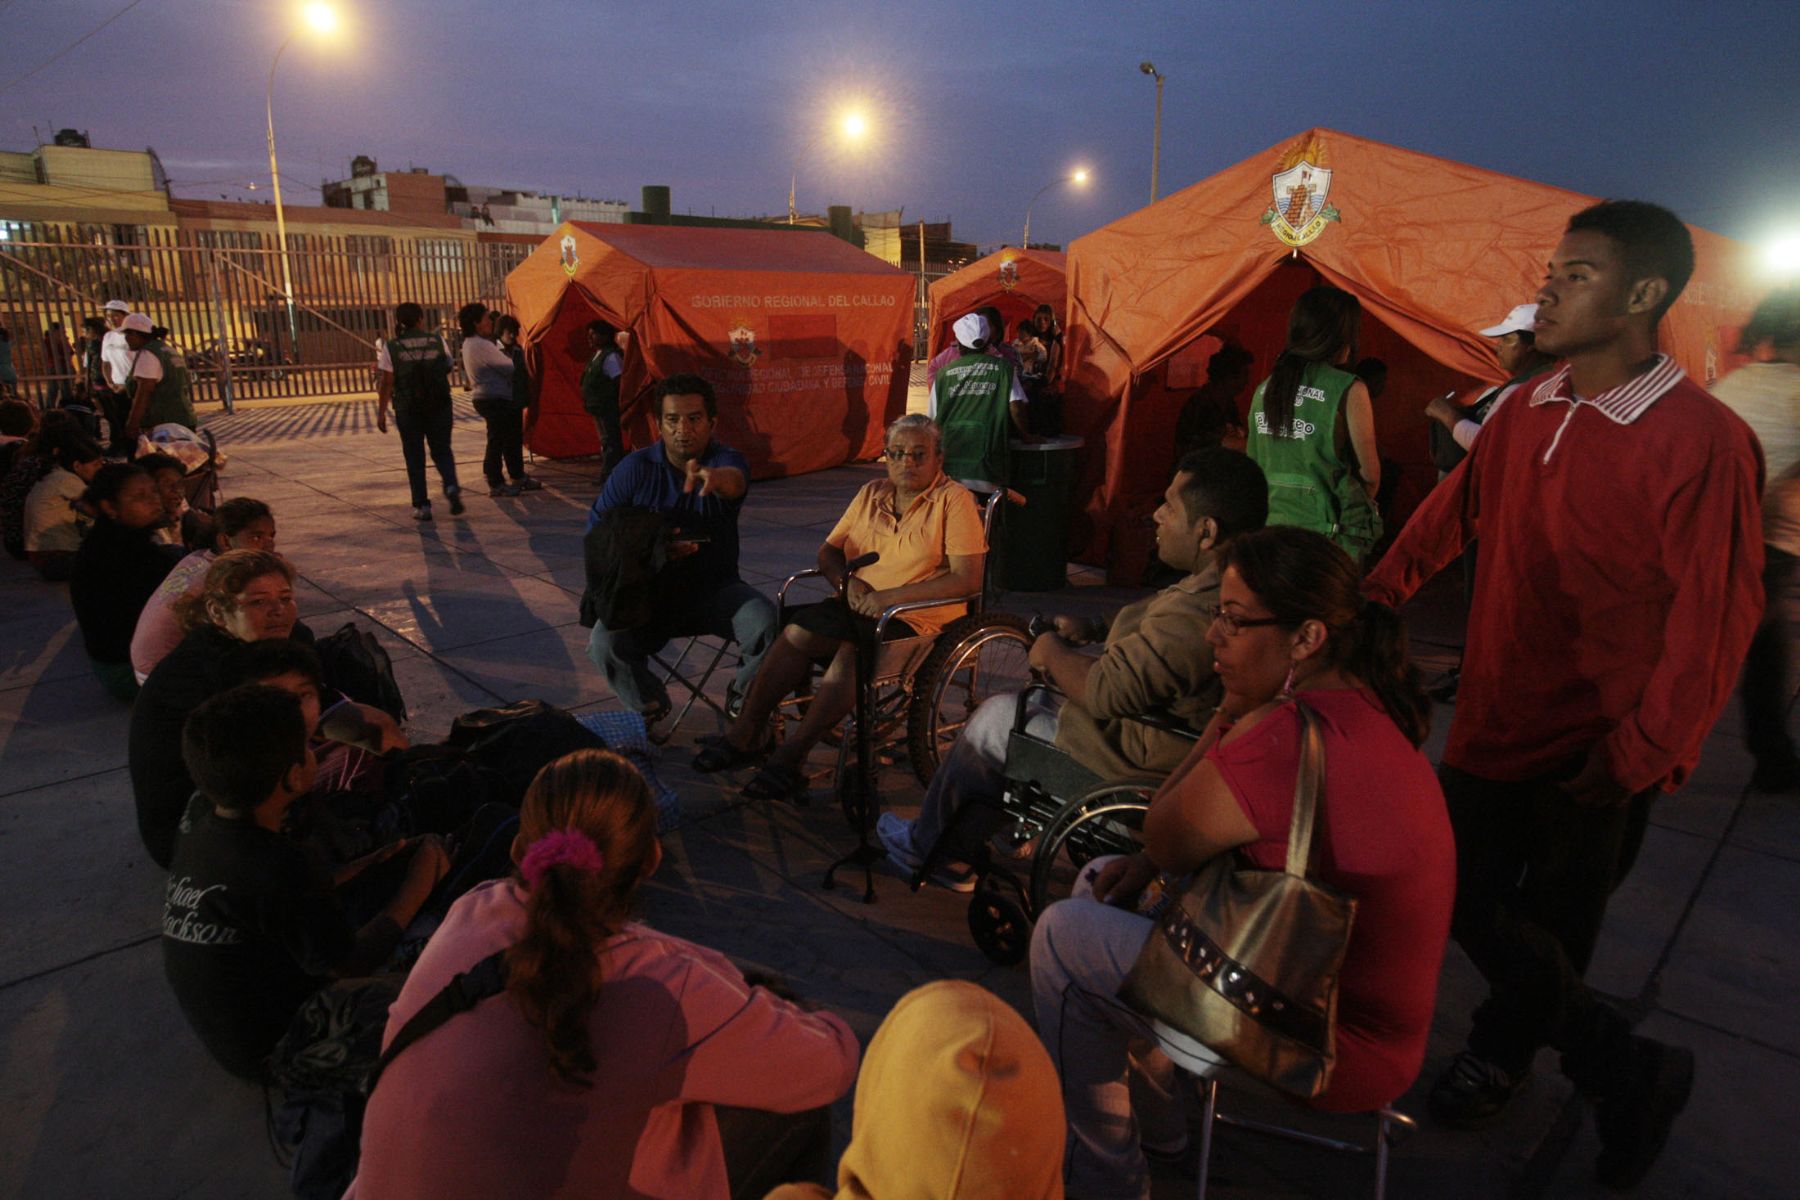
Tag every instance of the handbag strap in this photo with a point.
(1308, 781)
(464, 991)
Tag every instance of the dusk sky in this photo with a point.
(973, 106)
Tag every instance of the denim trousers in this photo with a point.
(733, 610)
(973, 771)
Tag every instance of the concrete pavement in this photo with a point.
(105, 1092)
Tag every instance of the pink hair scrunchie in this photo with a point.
(561, 848)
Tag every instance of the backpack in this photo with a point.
(511, 744)
(436, 789)
(356, 665)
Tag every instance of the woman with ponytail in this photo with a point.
(610, 1064)
(1312, 427)
(1291, 628)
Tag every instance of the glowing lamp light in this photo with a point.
(855, 126)
(1782, 256)
(1080, 175)
(320, 18)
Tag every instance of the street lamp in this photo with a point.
(1782, 256)
(1078, 177)
(321, 19)
(1149, 68)
(852, 126)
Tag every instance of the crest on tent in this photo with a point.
(743, 343)
(570, 261)
(1300, 186)
(1009, 273)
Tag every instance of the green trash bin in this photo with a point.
(1035, 539)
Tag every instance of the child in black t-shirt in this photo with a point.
(250, 927)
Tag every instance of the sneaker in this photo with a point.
(422, 512)
(457, 507)
(527, 484)
(500, 489)
(1634, 1123)
(1472, 1092)
(895, 834)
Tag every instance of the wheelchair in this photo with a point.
(1056, 810)
(920, 691)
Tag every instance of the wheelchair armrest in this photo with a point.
(1162, 722)
(790, 581)
(894, 610)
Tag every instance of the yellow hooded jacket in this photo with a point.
(957, 1101)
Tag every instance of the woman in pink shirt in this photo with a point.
(618, 1061)
(239, 524)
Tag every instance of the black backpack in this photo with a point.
(511, 744)
(356, 665)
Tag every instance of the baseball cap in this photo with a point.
(116, 306)
(1519, 320)
(137, 323)
(970, 328)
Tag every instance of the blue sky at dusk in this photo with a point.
(973, 106)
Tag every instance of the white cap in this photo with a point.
(137, 323)
(1519, 320)
(970, 328)
(116, 306)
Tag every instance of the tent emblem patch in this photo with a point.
(743, 344)
(1300, 185)
(1009, 273)
(570, 261)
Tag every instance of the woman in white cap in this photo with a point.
(115, 373)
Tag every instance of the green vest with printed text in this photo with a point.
(421, 373)
(971, 397)
(1310, 484)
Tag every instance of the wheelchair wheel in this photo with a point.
(1103, 821)
(999, 925)
(975, 657)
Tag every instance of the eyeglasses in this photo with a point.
(911, 456)
(1233, 624)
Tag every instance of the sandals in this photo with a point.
(716, 753)
(775, 782)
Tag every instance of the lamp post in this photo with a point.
(1077, 177)
(854, 127)
(321, 18)
(1149, 68)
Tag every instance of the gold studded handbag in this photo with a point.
(1246, 961)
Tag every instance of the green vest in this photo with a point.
(1310, 485)
(970, 398)
(421, 373)
(169, 402)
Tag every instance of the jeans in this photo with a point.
(505, 438)
(972, 772)
(418, 431)
(1534, 872)
(612, 437)
(1765, 686)
(734, 610)
(764, 1150)
(1119, 1087)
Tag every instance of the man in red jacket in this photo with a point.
(1617, 503)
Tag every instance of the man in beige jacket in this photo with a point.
(1155, 660)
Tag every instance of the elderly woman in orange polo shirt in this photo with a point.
(927, 529)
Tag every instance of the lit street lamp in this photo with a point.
(321, 19)
(1078, 177)
(853, 126)
(1149, 68)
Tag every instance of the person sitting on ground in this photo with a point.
(18, 421)
(927, 530)
(1292, 628)
(240, 523)
(620, 1061)
(159, 377)
(248, 596)
(699, 483)
(1211, 417)
(1156, 662)
(250, 928)
(53, 521)
(956, 1098)
(118, 568)
(168, 472)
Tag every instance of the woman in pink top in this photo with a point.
(607, 1066)
(239, 524)
(1291, 628)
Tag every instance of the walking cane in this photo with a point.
(856, 789)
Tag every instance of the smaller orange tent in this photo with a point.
(1014, 281)
(805, 339)
(1433, 249)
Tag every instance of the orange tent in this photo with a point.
(1435, 250)
(1014, 281)
(805, 339)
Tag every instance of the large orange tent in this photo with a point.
(805, 338)
(1434, 249)
(1014, 281)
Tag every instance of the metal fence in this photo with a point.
(219, 294)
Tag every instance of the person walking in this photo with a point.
(413, 376)
(600, 393)
(490, 370)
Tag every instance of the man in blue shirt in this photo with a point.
(701, 484)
